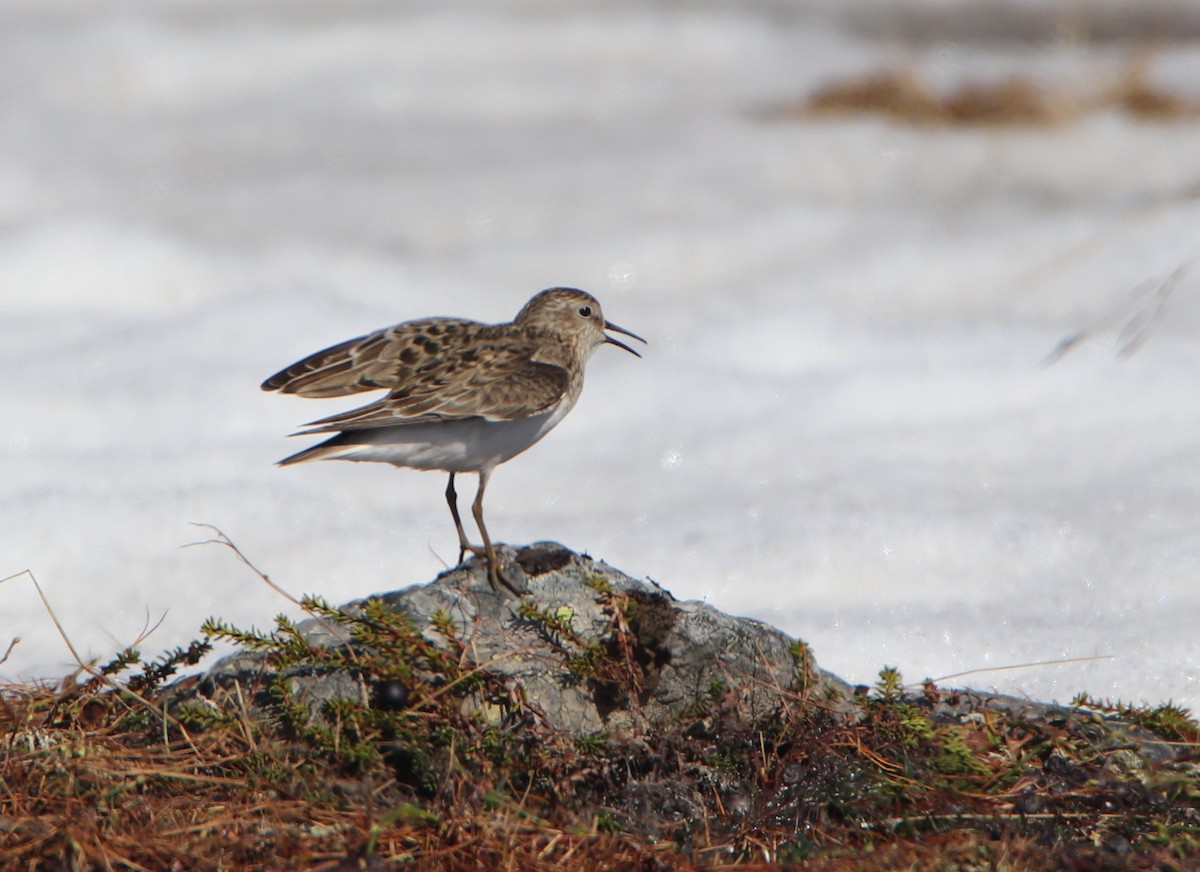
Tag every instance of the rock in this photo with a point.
(589, 649)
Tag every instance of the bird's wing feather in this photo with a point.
(499, 381)
(379, 360)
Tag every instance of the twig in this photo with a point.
(13, 644)
(92, 670)
(219, 538)
(981, 670)
(973, 817)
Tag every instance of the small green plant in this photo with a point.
(913, 725)
(802, 656)
(954, 756)
(444, 625)
(586, 663)
(555, 624)
(1172, 722)
(890, 686)
(284, 645)
(125, 659)
(155, 673)
(599, 584)
(895, 717)
(712, 697)
(607, 822)
(727, 759)
(591, 743)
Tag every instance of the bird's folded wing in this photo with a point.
(379, 360)
(500, 388)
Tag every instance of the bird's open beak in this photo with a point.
(609, 325)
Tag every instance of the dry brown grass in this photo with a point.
(1017, 101)
(93, 779)
(123, 771)
(111, 795)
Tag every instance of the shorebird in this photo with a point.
(461, 396)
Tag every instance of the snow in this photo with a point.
(843, 425)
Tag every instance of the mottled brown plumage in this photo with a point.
(461, 395)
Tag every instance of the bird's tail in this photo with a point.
(330, 449)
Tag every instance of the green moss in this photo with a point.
(1171, 722)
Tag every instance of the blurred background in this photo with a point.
(917, 278)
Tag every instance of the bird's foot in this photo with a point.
(465, 547)
(498, 577)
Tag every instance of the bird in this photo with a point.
(461, 396)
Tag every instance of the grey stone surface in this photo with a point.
(657, 655)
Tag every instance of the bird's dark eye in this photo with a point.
(585, 311)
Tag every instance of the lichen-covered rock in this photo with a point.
(588, 648)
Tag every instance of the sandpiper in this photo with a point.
(461, 396)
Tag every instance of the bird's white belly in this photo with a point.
(464, 445)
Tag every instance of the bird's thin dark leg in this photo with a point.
(464, 545)
(495, 576)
